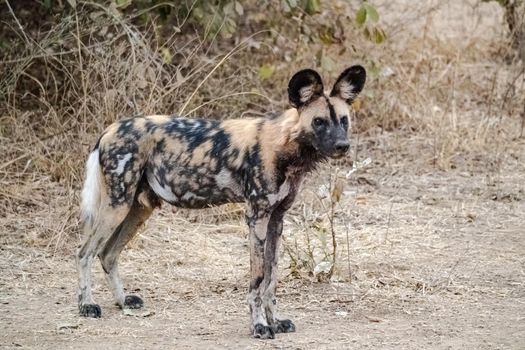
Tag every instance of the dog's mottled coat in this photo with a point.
(196, 163)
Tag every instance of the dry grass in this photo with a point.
(453, 93)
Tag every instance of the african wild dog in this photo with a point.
(195, 163)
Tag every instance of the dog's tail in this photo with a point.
(92, 190)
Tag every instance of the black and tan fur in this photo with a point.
(195, 163)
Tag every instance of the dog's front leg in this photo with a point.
(258, 225)
(271, 254)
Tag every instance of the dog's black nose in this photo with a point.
(342, 146)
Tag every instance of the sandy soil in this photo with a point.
(437, 262)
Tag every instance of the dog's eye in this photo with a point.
(319, 122)
(344, 121)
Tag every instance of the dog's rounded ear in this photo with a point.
(349, 84)
(304, 86)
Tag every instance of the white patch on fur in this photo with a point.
(190, 195)
(122, 163)
(90, 195)
(197, 125)
(261, 228)
(163, 192)
(280, 195)
(144, 200)
(346, 90)
(224, 179)
(115, 284)
(306, 93)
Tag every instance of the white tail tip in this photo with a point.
(91, 191)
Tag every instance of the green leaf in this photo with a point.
(166, 55)
(266, 71)
(378, 35)
(229, 9)
(366, 33)
(313, 6)
(326, 35)
(229, 27)
(238, 8)
(123, 3)
(198, 12)
(48, 4)
(292, 3)
(360, 16)
(371, 13)
(285, 6)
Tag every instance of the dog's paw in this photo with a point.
(283, 326)
(133, 302)
(90, 310)
(263, 332)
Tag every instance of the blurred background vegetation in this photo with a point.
(69, 68)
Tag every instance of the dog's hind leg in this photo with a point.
(109, 219)
(109, 255)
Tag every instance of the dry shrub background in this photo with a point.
(454, 90)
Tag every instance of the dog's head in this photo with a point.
(324, 119)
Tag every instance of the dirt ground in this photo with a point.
(437, 262)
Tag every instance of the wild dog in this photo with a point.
(140, 162)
